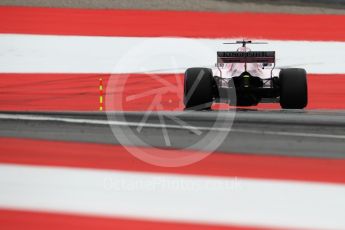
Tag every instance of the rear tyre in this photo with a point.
(198, 88)
(293, 88)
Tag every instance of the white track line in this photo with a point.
(167, 126)
(199, 199)
(91, 54)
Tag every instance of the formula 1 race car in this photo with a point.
(245, 78)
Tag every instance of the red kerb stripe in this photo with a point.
(139, 23)
(13, 219)
(101, 156)
(65, 92)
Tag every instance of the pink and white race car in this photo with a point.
(245, 78)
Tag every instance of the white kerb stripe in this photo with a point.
(196, 199)
(90, 54)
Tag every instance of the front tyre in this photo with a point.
(293, 88)
(198, 88)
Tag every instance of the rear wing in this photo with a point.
(246, 57)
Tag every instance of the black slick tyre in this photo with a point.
(198, 89)
(293, 88)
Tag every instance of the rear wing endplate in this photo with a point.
(246, 57)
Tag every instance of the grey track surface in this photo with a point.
(290, 133)
(278, 6)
